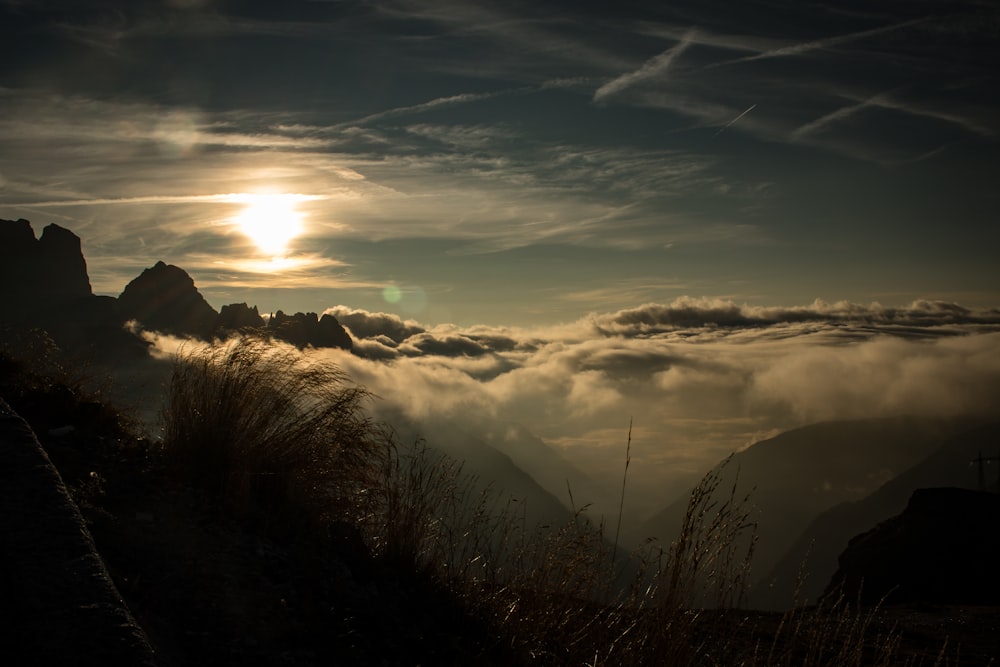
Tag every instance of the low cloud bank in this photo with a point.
(687, 313)
(699, 377)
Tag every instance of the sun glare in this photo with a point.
(271, 221)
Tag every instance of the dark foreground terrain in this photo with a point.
(180, 578)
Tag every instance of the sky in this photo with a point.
(720, 218)
(522, 163)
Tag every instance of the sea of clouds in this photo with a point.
(697, 378)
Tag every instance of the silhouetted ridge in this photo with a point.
(826, 537)
(164, 298)
(45, 286)
(62, 269)
(302, 329)
(802, 473)
(943, 549)
(237, 316)
(41, 273)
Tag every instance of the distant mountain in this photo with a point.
(828, 534)
(487, 463)
(799, 474)
(302, 329)
(41, 273)
(237, 316)
(46, 286)
(545, 464)
(942, 549)
(164, 298)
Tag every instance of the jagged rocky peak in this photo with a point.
(302, 329)
(41, 272)
(237, 316)
(164, 298)
(64, 270)
(15, 234)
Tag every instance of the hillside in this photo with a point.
(828, 535)
(799, 474)
(941, 549)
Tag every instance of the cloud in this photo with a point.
(832, 117)
(451, 100)
(472, 183)
(364, 324)
(453, 345)
(699, 378)
(710, 314)
(821, 44)
(973, 120)
(227, 198)
(654, 67)
(885, 376)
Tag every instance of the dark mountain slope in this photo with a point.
(828, 535)
(801, 473)
(942, 549)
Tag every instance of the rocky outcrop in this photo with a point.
(39, 274)
(164, 298)
(237, 316)
(45, 286)
(942, 549)
(62, 269)
(59, 605)
(304, 329)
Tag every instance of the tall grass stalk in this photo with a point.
(621, 500)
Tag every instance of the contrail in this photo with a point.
(229, 198)
(463, 98)
(655, 66)
(722, 129)
(818, 44)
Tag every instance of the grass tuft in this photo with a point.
(270, 432)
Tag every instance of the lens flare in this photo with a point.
(392, 294)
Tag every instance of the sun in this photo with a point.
(271, 221)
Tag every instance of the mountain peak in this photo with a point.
(41, 273)
(164, 298)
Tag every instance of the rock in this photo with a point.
(942, 549)
(60, 605)
(15, 234)
(46, 289)
(164, 298)
(43, 274)
(237, 316)
(62, 270)
(331, 334)
(304, 329)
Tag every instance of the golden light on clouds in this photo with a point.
(271, 221)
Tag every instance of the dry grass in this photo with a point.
(270, 432)
(559, 595)
(555, 596)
